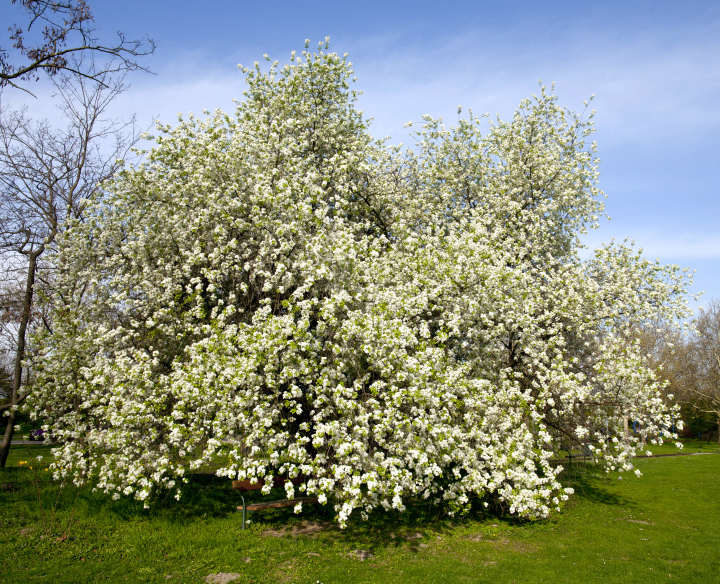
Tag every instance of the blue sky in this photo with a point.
(653, 66)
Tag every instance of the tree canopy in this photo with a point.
(276, 293)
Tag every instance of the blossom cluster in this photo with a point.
(276, 293)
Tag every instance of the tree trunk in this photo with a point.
(20, 353)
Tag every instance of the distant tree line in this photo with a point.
(690, 363)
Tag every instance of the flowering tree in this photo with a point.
(279, 294)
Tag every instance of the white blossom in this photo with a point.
(277, 293)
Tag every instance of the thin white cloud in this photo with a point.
(667, 247)
(647, 89)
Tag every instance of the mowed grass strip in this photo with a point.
(663, 527)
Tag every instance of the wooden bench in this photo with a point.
(246, 485)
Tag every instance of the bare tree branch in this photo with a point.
(67, 39)
(707, 348)
(46, 178)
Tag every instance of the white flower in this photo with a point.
(279, 291)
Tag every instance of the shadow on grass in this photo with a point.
(208, 496)
(202, 496)
(592, 485)
(418, 524)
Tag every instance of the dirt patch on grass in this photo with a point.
(476, 537)
(361, 555)
(221, 578)
(306, 528)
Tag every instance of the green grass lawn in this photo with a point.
(663, 527)
(689, 446)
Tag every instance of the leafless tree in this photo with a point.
(64, 39)
(46, 175)
(5, 384)
(670, 351)
(10, 310)
(707, 350)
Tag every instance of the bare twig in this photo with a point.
(68, 39)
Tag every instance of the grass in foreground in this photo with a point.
(664, 526)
